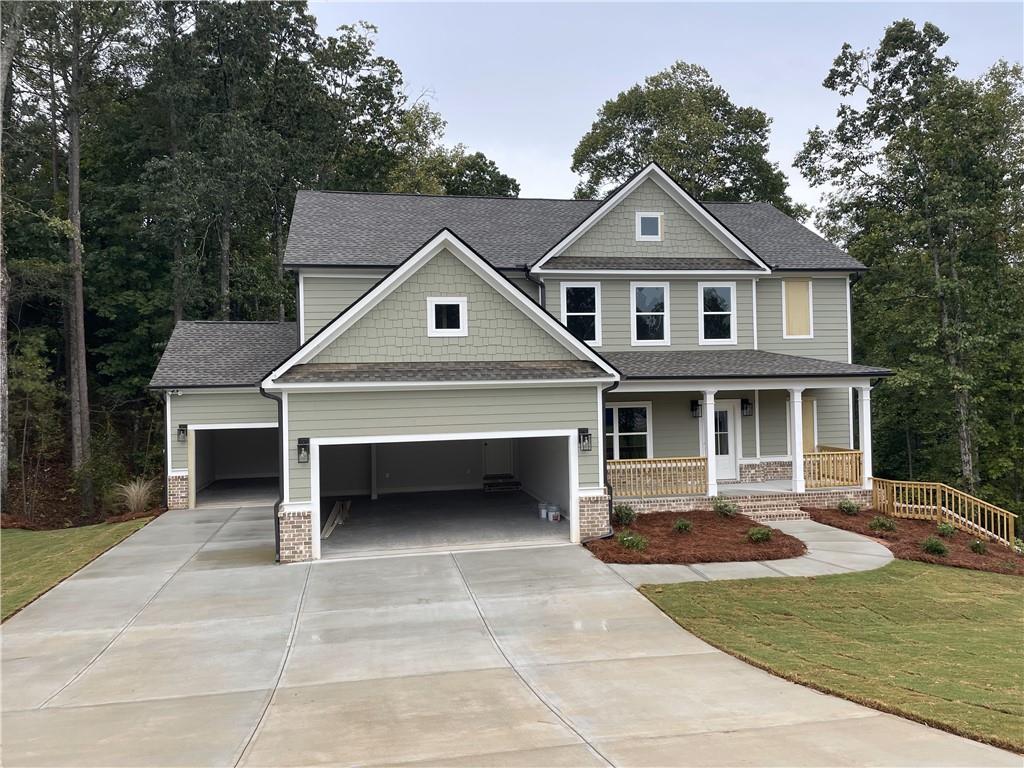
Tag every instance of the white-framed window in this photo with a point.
(581, 311)
(649, 310)
(628, 431)
(447, 316)
(649, 226)
(797, 309)
(716, 313)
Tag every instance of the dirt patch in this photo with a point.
(905, 542)
(712, 539)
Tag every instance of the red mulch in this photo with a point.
(905, 542)
(712, 539)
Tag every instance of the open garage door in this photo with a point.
(442, 494)
(233, 464)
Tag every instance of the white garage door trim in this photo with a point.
(191, 451)
(568, 434)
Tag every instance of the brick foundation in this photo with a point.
(296, 529)
(765, 506)
(177, 491)
(594, 516)
(763, 471)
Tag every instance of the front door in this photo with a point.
(726, 439)
(498, 457)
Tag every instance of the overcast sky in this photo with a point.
(523, 82)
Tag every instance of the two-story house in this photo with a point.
(458, 359)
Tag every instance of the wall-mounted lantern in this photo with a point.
(695, 408)
(183, 433)
(585, 442)
(302, 455)
(746, 407)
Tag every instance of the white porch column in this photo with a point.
(709, 441)
(865, 432)
(796, 429)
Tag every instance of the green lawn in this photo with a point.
(941, 645)
(33, 561)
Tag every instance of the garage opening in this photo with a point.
(444, 494)
(235, 466)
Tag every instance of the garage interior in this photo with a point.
(236, 466)
(440, 495)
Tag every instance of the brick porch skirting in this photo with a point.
(296, 528)
(594, 519)
(763, 471)
(762, 506)
(177, 491)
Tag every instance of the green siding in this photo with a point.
(615, 234)
(616, 322)
(354, 414)
(396, 329)
(774, 431)
(215, 408)
(833, 412)
(323, 298)
(830, 340)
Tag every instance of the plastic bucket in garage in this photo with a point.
(554, 513)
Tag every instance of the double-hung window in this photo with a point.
(627, 431)
(446, 316)
(649, 308)
(716, 313)
(581, 311)
(797, 309)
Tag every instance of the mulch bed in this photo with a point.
(712, 539)
(905, 542)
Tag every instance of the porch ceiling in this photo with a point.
(732, 364)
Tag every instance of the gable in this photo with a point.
(395, 330)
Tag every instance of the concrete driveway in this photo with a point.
(185, 645)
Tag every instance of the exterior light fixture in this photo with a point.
(695, 408)
(302, 455)
(183, 433)
(585, 442)
(746, 407)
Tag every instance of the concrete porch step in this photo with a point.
(776, 515)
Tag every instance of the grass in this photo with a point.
(935, 644)
(35, 561)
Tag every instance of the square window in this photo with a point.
(648, 225)
(447, 316)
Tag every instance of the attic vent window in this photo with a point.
(446, 316)
(648, 226)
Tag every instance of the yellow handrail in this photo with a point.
(943, 503)
(830, 468)
(649, 478)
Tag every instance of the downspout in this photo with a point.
(539, 283)
(611, 498)
(280, 475)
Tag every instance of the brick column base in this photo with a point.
(296, 536)
(177, 491)
(594, 519)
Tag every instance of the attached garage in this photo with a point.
(234, 464)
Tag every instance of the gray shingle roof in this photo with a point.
(443, 371)
(730, 363)
(223, 353)
(645, 262)
(370, 229)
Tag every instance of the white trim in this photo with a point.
(178, 473)
(849, 413)
(443, 240)
(731, 341)
(757, 423)
(615, 405)
(666, 325)
(181, 391)
(810, 307)
(372, 386)
(167, 416)
(461, 302)
(660, 216)
(285, 453)
(849, 341)
(597, 274)
(302, 311)
(753, 305)
(677, 193)
(796, 441)
(698, 385)
(865, 435)
(563, 288)
(239, 425)
(315, 443)
(602, 481)
(711, 466)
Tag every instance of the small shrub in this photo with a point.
(849, 507)
(1018, 545)
(979, 547)
(623, 514)
(631, 540)
(934, 546)
(724, 508)
(945, 530)
(135, 495)
(759, 534)
(682, 525)
(882, 523)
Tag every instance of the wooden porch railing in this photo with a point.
(650, 478)
(830, 467)
(942, 503)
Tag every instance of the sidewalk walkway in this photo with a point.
(829, 550)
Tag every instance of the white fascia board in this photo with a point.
(213, 390)
(693, 385)
(679, 195)
(596, 274)
(370, 386)
(445, 239)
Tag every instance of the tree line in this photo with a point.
(152, 152)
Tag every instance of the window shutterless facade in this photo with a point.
(581, 311)
(716, 313)
(627, 431)
(649, 312)
(447, 316)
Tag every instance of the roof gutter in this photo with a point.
(539, 283)
(283, 467)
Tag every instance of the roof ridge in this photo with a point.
(451, 197)
(240, 322)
